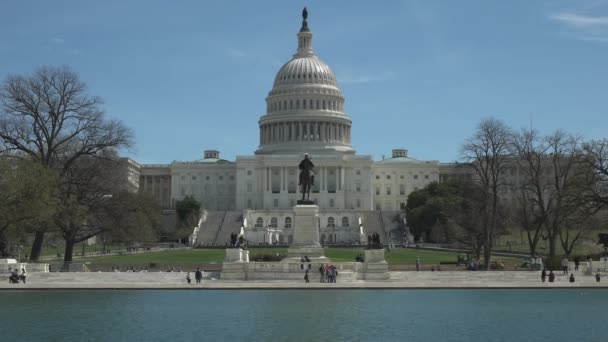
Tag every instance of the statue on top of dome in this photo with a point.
(304, 22)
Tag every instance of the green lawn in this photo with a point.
(207, 256)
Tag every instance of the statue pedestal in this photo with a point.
(375, 266)
(235, 264)
(306, 234)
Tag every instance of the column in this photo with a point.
(281, 175)
(317, 132)
(308, 125)
(342, 172)
(300, 136)
(338, 178)
(267, 178)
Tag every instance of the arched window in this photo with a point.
(331, 222)
(297, 104)
(288, 222)
(273, 222)
(303, 104)
(345, 221)
(259, 222)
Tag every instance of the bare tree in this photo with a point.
(26, 197)
(529, 154)
(48, 117)
(596, 158)
(487, 151)
(94, 201)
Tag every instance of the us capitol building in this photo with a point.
(305, 113)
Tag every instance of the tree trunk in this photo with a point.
(552, 245)
(69, 250)
(37, 246)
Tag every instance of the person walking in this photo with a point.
(565, 263)
(551, 276)
(306, 277)
(22, 275)
(597, 277)
(322, 273)
(188, 277)
(417, 263)
(577, 261)
(543, 275)
(198, 275)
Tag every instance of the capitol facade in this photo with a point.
(305, 113)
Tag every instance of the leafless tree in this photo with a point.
(596, 158)
(487, 151)
(529, 154)
(48, 117)
(94, 201)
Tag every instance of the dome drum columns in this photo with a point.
(311, 131)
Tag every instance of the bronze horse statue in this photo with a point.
(307, 178)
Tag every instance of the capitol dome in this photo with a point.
(305, 108)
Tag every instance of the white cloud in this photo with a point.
(577, 20)
(366, 78)
(57, 40)
(583, 27)
(236, 53)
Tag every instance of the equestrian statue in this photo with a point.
(307, 178)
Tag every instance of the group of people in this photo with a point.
(551, 276)
(15, 277)
(198, 276)
(328, 273)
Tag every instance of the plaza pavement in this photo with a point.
(398, 280)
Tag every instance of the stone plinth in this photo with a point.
(235, 264)
(375, 266)
(306, 234)
(236, 255)
(5, 264)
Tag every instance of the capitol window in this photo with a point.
(415, 176)
(304, 104)
(288, 222)
(426, 176)
(378, 191)
(259, 222)
(388, 176)
(344, 221)
(273, 222)
(276, 203)
(358, 172)
(331, 222)
(297, 104)
(193, 177)
(331, 202)
(249, 172)
(207, 178)
(377, 176)
(221, 177)
(401, 177)
(388, 191)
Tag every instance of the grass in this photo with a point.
(208, 256)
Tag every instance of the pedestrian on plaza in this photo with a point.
(597, 277)
(577, 261)
(306, 277)
(543, 275)
(188, 277)
(22, 275)
(590, 268)
(565, 263)
(322, 273)
(572, 277)
(417, 263)
(551, 276)
(198, 275)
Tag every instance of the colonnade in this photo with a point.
(304, 131)
(323, 177)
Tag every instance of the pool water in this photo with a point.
(304, 315)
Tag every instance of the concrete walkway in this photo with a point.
(399, 280)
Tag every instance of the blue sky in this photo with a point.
(193, 75)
